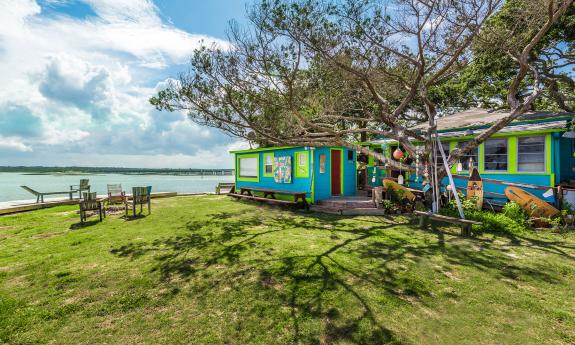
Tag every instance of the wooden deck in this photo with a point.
(15, 207)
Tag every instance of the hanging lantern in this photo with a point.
(397, 154)
(400, 179)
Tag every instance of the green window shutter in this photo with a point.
(302, 164)
(269, 164)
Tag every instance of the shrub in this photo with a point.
(511, 221)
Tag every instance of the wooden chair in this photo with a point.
(116, 194)
(140, 196)
(90, 203)
(84, 185)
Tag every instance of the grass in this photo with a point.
(209, 270)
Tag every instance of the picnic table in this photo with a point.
(269, 195)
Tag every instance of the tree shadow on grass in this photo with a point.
(317, 284)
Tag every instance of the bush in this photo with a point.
(511, 221)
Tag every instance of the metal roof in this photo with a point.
(478, 117)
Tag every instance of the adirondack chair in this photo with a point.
(84, 185)
(140, 196)
(90, 203)
(40, 195)
(116, 194)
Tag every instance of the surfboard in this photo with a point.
(475, 188)
(534, 206)
(407, 194)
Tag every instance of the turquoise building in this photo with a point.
(532, 150)
(320, 172)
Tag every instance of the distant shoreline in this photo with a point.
(110, 170)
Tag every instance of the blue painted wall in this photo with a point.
(298, 184)
(321, 182)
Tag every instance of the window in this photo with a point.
(248, 167)
(473, 154)
(495, 155)
(438, 153)
(349, 155)
(302, 164)
(531, 154)
(322, 164)
(269, 164)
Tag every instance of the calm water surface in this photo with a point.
(10, 183)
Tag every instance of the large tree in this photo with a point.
(320, 72)
(485, 81)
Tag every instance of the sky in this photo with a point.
(76, 76)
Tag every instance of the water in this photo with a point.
(10, 184)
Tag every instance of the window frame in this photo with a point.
(238, 168)
(301, 171)
(265, 157)
(484, 161)
(446, 151)
(322, 163)
(467, 154)
(544, 137)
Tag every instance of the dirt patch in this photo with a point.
(7, 228)
(452, 276)
(48, 234)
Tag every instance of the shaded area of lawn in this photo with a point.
(211, 270)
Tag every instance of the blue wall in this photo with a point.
(321, 182)
(298, 184)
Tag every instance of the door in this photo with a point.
(335, 172)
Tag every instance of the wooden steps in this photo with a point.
(348, 206)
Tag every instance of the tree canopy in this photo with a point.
(323, 72)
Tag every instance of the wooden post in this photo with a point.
(378, 196)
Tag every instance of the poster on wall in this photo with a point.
(282, 170)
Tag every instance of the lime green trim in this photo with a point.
(268, 154)
(313, 170)
(552, 180)
(480, 159)
(301, 171)
(264, 149)
(248, 179)
(512, 155)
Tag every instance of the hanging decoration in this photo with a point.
(398, 154)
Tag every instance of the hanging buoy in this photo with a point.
(459, 167)
(400, 179)
(397, 154)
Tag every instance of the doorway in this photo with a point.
(335, 172)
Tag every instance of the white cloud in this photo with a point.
(13, 144)
(86, 81)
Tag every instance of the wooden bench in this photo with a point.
(299, 198)
(230, 186)
(466, 224)
(40, 195)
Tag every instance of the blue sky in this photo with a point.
(75, 77)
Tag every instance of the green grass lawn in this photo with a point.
(209, 270)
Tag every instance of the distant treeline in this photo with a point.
(112, 170)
